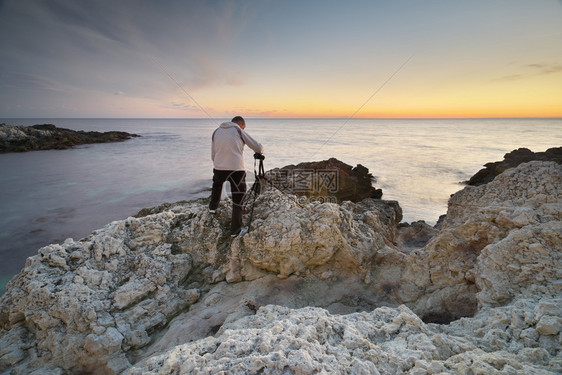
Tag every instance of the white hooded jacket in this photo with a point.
(227, 147)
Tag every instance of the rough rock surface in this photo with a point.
(511, 160)
(48, 137)
(315, 288)
(326, 181)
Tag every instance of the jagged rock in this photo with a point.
(172, 292)
(48, 137)
(279, 340)
(511, 160)
(93, 303)
(325, 181)
(517, 213)
(414, 235)
(308, 341)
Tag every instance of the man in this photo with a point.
(227, 153)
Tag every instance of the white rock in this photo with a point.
(152, 290)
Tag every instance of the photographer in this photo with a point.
(227, 153)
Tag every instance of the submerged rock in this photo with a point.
(49, 137)
(312, 288)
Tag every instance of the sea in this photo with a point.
(48, 196)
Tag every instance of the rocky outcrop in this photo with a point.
(278, 340)
(91, 305)
(325, 181)
(523, 202)
(312, 288)
(511, 160)
(49, 137)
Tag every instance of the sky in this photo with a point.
(287, 59)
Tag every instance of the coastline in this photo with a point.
(153, 285)
(38, 229)
(49, 137)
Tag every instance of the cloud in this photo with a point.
(252, 112)
(179, 106)
(207, 73)
(89, 16)
(31, 82)
(531, 70)
(107, 47)
(512, 77)
(546, 68)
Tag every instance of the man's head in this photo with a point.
(240, 121)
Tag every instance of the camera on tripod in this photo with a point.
(259, 156)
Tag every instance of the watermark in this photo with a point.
(303, 200)
(310, 185)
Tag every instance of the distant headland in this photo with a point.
(49, 137)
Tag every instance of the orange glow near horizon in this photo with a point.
(413, 112)
(410, 96)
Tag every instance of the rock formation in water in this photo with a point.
(325, 181)
(312, 288)
(511, 160)
(49, 137)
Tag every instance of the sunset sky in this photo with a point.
(260, 58)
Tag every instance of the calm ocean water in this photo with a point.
(48, 196)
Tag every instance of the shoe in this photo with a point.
(239, 232)
(212, 212)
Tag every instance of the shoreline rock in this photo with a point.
(49, 137)
(511, 160)
(311, 287)
(326, 181)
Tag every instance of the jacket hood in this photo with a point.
(229, 124)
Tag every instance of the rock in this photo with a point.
(305, 341)
(483, 254)
(325, 181)
(48, 137)
(88, 315)
(511, 160)
(311, 288)
(415, 235)
(310, 340)
(549, 325)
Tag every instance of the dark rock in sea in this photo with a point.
(511, 160)
(49, 137)
(327, 181)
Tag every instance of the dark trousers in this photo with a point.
(237, 181)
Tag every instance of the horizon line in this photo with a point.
(291, 118)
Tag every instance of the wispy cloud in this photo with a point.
(178, 106)
(108, 46)
(31, 82)
(508, 78)
(531, 70)
(207, 73)
(544, 68)
(254, 112)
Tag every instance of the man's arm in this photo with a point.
(251, 142)
(213, 151)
